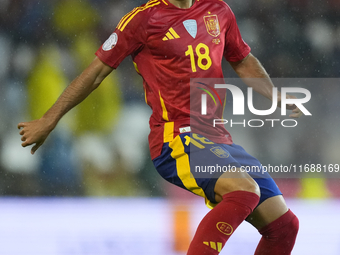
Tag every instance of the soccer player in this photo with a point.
(171, 42)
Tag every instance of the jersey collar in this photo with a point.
(167, 3)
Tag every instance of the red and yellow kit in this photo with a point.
(169, 46)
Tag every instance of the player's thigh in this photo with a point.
(179, 160)
(195, 163)
(268, 211)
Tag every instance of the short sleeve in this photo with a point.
(235, 48)
(128, 38)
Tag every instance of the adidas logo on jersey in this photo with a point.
(171, 35)
(217, 246)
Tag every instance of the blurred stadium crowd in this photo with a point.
(100, 148)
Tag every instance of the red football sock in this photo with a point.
(217, 226)
(278, 237)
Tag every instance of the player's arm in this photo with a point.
(249, 68)
(36, 131)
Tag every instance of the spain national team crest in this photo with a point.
(225, 228)
(212, 25)
(219, 152)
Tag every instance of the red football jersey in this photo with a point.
(169, 46)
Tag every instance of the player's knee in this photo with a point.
(249, 185)
(285, 229)
(279, 236)
(226, 185)
(293, 225)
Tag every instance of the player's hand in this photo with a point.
(34, 132)
(296, 112)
